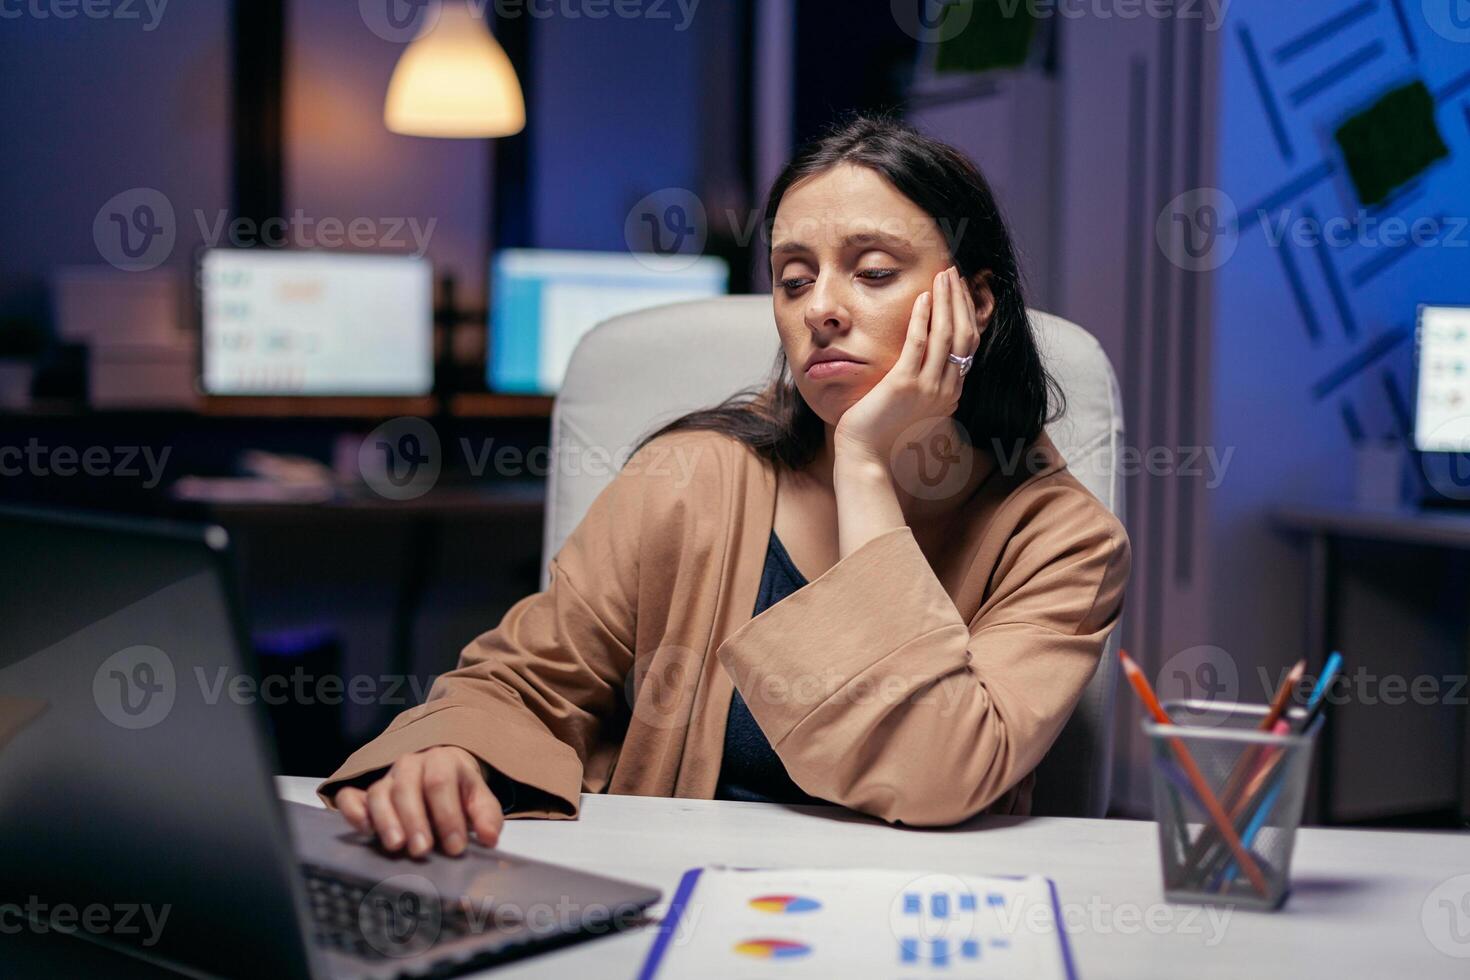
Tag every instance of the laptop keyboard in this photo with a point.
(377, 921)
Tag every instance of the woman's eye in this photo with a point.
(796, 282)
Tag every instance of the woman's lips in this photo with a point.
(832, 369)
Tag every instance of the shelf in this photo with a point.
(484, 404)
(470, 405)
(290, 406)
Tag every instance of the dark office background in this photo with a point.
(1295, 359)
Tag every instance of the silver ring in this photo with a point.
(963, 362)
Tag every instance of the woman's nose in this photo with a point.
(826, 310)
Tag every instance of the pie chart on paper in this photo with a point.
(784, 904)
(772, 949)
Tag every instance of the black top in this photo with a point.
(750, 769)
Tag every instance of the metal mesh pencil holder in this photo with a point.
(1256, 784)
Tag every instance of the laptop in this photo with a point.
(136, 795)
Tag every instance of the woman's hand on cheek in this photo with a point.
(922, 384)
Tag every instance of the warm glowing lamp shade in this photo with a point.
(455, 81)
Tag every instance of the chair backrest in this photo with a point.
(640, 369)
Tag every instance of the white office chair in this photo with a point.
(635, 371)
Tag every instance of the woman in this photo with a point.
(873, 583)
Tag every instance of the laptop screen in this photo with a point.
(1442, 412)
(544, 301)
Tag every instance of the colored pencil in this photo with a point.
(1315, 705)
(1186, 761)
(1249, 759)
(1180, 788)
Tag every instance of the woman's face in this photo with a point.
(849, 255)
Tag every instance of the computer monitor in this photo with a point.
(545, 300)
(1442, 413)
(282, 322)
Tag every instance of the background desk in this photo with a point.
(1357, 909)
(1406, 545)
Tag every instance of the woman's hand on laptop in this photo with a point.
(438, 794)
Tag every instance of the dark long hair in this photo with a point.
(1004, 401)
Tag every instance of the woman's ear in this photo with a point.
(984, 299)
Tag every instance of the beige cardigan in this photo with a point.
(919, 693)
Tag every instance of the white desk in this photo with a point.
(1357, 907)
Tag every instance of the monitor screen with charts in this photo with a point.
(544, 301)
(316, 323)
(1442, 416)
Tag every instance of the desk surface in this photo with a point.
(1444, 528)
(1365, 903)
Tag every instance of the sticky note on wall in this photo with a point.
(1391, 142)
(978, 35)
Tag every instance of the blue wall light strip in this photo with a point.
(1263, 89)
(1334, 280)
(1410, 44)
(1359, 362)
(1386, 259)
(1454, 88)
(1351, 422)
(1289, 191)
(1299, 291)
(1315, 86)
(1314, 36)
(1402, 416)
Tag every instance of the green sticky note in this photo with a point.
(995, 34)
(1391, 142)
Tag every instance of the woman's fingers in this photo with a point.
(408, 797)
(912, 356)
(439, 793)
(352, 804)
(383, 814)
(941, 330)
(480, 805)
(965, 332)
(442, 793)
